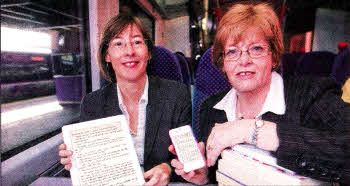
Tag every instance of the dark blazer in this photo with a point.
(314, 133)
(169, 106)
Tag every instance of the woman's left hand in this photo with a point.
(226, 135)
(158, 175)
(240, 131)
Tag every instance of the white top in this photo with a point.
(139, 137)
(274, 101)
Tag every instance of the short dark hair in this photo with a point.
(115, 26)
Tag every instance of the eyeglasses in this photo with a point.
(254, 51)
(120, 44)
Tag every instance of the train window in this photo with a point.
(17, 40)
(43, 70)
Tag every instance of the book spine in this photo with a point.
(258, 154)
(269, 173)
(242, 175)
(227, 154)
(254, 169)
(224, 180)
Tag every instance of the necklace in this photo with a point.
(239, 115)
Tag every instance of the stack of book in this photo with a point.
(247, 165)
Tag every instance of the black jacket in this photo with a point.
(169, 106)
(314, 133)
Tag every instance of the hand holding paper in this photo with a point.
(65, 156)
(198, 176)
(104, 153)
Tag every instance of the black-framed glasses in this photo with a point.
(254, 51)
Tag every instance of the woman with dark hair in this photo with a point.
(151, 105)
(302, 121)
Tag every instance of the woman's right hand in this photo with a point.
(198, 176)
(65, 156)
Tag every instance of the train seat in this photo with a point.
(208, 81)
(185, 69)
(289, 63)
(318, 63)
(341, 67)
(165, 65)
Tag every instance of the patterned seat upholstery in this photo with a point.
(208, 81)
(185, 70)
(289, 63)
(165, 65)
(341, 67)
(315, 63)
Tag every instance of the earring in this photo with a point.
(274, 67)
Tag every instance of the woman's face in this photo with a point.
(128, 54)
(247, 74)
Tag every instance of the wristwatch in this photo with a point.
(258, 124)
